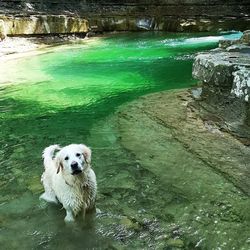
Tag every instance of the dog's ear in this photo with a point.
(86, 153)
(59, 165)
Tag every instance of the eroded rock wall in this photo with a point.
(118, 15)
(169, 15)
(42, 24)
(225, 77)
(2, 30)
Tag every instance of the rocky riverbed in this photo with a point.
(175, 113)
(203, 172)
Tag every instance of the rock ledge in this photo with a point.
(225, 77)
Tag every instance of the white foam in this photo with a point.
(201, 40)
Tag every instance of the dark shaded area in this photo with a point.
(170, 15)
(230, 114)
(132, 7)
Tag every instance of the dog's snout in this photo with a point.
(76, 169)
(74, 165)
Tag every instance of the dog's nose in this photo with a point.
(74, 165)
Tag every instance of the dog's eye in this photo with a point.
(66, 158)
(78, 154)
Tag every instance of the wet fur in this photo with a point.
(77, 193)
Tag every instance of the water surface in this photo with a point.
(70, 95)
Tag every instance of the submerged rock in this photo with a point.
(129, 224)
(180, 119)
(175, 243)
(203, 173)
(34, 185)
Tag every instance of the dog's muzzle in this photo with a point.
(77, 171)
(75, 168)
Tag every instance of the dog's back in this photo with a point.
(49, 170)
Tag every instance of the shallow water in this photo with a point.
(70, 95)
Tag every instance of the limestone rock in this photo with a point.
(2, 30)
(241, 83)
(243, 41)
(129, 224)
(225, 77)
(43, 24)
(175, 243)
(246, 37)
(120, 15)
(228, 72)
(225, 43)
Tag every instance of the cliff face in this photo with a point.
(111, 15)
(225, 77)
(41, 24)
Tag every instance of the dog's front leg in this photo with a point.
(69, 216)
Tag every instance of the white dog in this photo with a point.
(69, 179)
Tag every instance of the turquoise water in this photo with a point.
(70, 94)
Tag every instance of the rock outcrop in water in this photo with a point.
(225, 77)
(128, 15)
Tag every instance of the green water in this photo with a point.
(70, 94)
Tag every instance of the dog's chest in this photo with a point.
(76, 196)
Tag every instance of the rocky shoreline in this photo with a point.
(18, 47)
(224, 74)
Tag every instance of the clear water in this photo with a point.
(70, 94)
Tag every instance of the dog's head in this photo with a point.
(73, 159)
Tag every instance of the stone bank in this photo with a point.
(225, 77)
